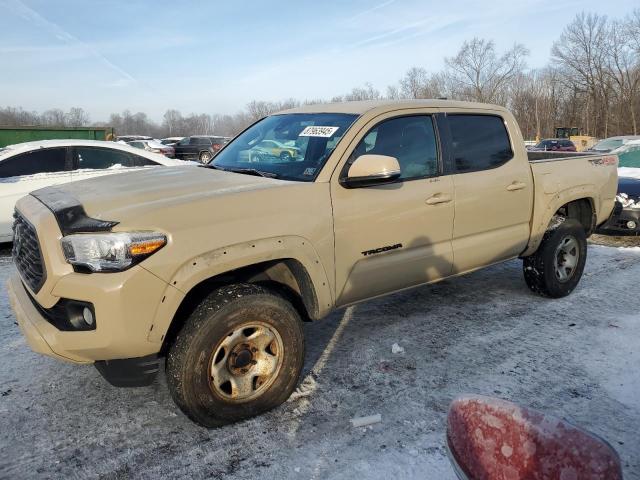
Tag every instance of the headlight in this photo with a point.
(111, 252)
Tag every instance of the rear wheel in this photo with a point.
(238, 355)
(556, 268)
(205, 157)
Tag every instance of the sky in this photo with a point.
(215, 57)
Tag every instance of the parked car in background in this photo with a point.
(29, 166)
(274, 151)
(154, 146)
(199, 147)
(554, 145)
(131, 138)
(171, 140)
(625, 219)
(609, 144)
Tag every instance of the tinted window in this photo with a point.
(479, 142)
(101, 158)
(409, 139)
(39, 161)
(142, 162)
(200, 141)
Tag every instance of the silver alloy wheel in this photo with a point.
(205, 157)
(246, 362)
(566, 258)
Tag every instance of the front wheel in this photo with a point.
(239, 354)
(285, 157)
(555, 269)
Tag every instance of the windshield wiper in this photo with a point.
(251, 171)
(247, 171)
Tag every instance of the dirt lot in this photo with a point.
(485, 333)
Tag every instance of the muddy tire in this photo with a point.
(239, 354)
(556, 268)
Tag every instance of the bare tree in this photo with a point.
(362, 93)
(77, 117)
(478, 73)
(581, 53)
(172, 121)
(54, 117)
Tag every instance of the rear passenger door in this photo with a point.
(89, 162)
(493, 190)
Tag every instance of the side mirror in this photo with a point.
(370, 170)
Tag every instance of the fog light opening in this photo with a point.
(87, 316)
(631, 225)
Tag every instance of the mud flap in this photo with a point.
(130, 372)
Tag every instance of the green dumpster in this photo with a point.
(12, 135)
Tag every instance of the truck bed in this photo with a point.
(559, 177)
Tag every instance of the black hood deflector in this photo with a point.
(70, 213)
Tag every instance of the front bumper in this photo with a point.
(33, 325)
(125, 305)
(617, 223)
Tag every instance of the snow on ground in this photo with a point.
(484, 333)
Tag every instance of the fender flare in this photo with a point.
(540, 223)
(233, 257)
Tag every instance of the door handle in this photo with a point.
(516, 186)
(438, 198)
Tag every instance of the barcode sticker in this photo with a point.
(318, 131)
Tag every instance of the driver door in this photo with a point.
(398, 235)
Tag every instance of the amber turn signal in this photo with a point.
(146, 247)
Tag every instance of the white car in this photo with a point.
(26, 167)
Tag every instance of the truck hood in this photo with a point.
(121, 196)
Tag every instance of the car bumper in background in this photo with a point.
(623, 221)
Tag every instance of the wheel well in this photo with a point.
(288, 277)
(581, 210)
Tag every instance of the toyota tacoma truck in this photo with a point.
(211, 271)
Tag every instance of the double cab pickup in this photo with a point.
(212, 270)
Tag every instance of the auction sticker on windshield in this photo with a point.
(318, 131)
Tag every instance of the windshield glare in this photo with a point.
(608, 144)
(630, 157)
(291, 146)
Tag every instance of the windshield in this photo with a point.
(292, 146)
(629, 156)
(608, 144)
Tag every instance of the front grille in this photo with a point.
(26, 253)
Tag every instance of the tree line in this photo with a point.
(592, 81)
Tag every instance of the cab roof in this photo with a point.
(361, 107)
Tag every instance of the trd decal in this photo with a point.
(366, 253)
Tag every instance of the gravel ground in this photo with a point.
(484, 333)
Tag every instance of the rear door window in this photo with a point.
(478, 142)
(47, 160)
(139, 161)
(101, 158)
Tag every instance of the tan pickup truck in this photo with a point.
(211, 270)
